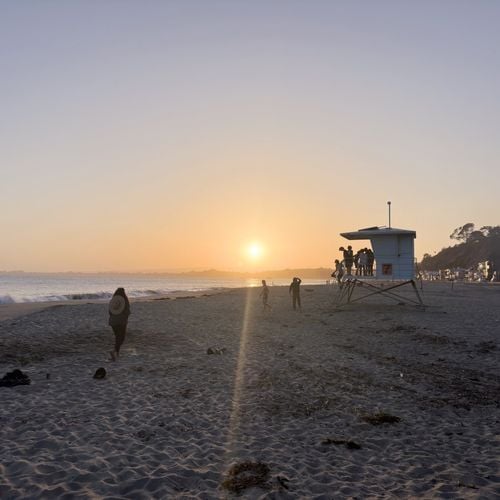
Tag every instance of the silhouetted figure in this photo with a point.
(370, 259)
(363, 262)
(265, 295)
(348, 258)
(294, 290)
(338, 271)
(357, 270)
(119, 311)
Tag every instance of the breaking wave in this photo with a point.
(8, 299)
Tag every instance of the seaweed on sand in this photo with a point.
(351, 445)
(381, 418)
(246, 475)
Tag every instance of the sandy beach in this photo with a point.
(301, 394)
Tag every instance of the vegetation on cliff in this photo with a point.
(474, 245)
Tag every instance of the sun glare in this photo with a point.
(254, 251)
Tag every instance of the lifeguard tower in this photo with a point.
(393, 248)
(394, 265)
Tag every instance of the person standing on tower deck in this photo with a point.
(363, 262)
(370, 259)
(348, 258)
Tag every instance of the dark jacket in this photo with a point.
(295, 287)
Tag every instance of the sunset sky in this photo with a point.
(169, 135)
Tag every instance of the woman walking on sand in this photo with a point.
(119, 311)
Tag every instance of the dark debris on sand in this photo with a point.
(216, 350)
(351, 445)
(13, 378)
(100, 373)
(247, 475)
(381, 418)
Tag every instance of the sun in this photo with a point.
(255, 250)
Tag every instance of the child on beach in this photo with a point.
(294, 290)
(119, 311)
(338, 272)
(265, 295)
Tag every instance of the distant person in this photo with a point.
(370, 259)
(363, 262)
(338, 272)
(348, 258)
(265, 295)
(294, 290)
(343, 250)
(119, 311)
(357, 269)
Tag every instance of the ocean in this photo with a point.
(27, 287)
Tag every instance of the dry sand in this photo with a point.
(170, 420)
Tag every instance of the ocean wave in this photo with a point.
(97, 288)
(8, 299)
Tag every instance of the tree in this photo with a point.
(493, 231)
(463, 233)
(477, 245)
(476, 236)
(486, 230)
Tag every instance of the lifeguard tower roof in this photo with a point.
(370, 232)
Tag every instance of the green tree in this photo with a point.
(463, 233)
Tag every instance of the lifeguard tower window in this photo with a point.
(387, 269)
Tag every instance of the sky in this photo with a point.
(241, 135)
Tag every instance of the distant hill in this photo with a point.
(320, 273)
(475, 246)
(315, 273)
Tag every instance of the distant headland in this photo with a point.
(307, 273)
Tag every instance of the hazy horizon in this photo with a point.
(241, 135)
(162, 271)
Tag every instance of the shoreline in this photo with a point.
(17, 310)
(13, 310)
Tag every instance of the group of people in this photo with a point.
(362, 261)
(119, 311)
(293, 290)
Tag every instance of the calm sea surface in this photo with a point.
(58, 287)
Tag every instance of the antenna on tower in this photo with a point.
(389, 205)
